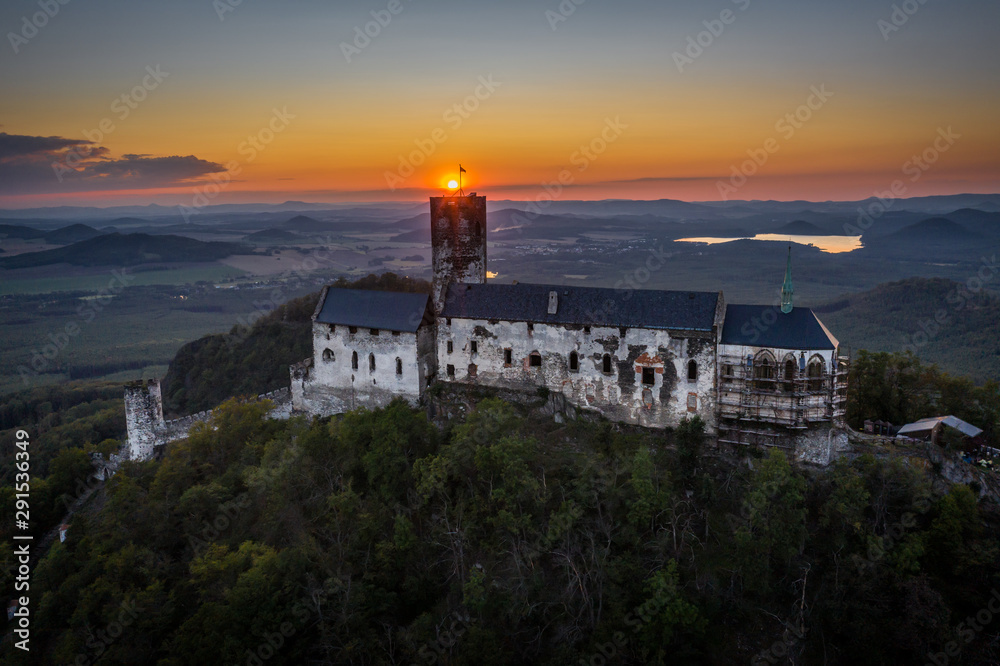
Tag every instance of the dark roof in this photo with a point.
(389, 310)
(590, 306)
(768, 326)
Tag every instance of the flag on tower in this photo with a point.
(461, 170)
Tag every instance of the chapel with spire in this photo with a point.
(780, 372)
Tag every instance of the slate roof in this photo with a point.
(588, 306)
(388, 310)
(768, 326)
(925, 425)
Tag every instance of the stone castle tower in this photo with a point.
(143, 416)
(458, 240)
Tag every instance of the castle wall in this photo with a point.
(143, 417)
(330, 384)
(458, 243)
(620, 394)
(147, 429)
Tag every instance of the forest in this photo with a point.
(376, 538)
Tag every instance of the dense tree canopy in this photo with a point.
(376, 538)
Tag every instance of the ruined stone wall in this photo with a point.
(458, 243)
(147, 429)
(619, 395)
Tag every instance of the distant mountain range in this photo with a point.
(62, 236)
(682, 210)
(126, 250)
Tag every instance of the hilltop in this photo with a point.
(127, 250)
(900, 316)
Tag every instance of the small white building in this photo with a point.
(368, 348)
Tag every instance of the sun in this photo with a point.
(452, 184)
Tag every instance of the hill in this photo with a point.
(74, 233)
(127, 250)
(305, 223)
(272, 236)
(18, 231)
(933, 230)
(800, 228)
(900, 316)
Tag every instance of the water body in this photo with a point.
(831, 244)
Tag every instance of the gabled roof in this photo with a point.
(768, 326)
(925, 425)
(587, 306)
(388, 310)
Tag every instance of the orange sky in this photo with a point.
(517, 107)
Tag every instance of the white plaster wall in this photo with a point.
(334, 386)
(617, 395)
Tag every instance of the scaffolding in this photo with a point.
(765, 405)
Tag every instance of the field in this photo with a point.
(72, 278)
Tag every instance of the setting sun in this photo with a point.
(452, 184)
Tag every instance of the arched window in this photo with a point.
(354, 360)
(535, 360)
(472, 370)
(329, 356)
(574, 361)
(606, 364)
(789, 377)
(371, 362)
(399, 367)
(815, 373)
(692, 371)
(763, 373)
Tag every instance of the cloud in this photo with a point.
(53, 164)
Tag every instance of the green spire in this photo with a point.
(786, 289)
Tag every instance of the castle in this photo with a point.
(754, 374)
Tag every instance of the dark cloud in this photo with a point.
(14, 146)
(38, 164)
